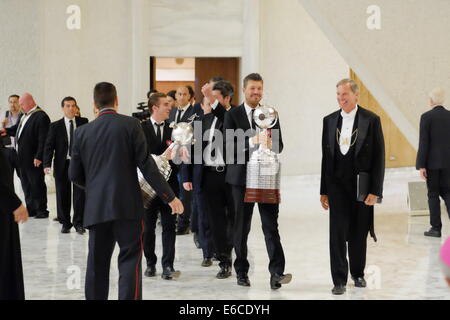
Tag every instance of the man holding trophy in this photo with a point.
(239, 148)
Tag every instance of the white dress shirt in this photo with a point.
(347, 136)
(67, 123)
(182, 110)
(218, 161)
(216, 103)
(248, 111)
(24, 121)
(156, 128)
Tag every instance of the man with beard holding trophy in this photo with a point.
(351, 182)
(239, 148)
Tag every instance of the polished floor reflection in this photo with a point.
(403, 264)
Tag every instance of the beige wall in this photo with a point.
(300, 68)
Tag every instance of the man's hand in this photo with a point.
(177, 206)
(264, 139)
(371, 200)
(207, 92)
(47, 170)
(324, 201)
(423, 173)
(20, 214)
(168, 154)
(187, 186)
(37, 162)
(3, 132)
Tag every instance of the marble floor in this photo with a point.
(403, 264)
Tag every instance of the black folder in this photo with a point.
(363, 185)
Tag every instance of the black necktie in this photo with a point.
(158, 131)
(179, 115)
(253, 120)
(71, 137)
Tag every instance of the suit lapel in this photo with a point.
(63, 132)
(332, 126)
(363, 126)
(187, 114)
(244, 119)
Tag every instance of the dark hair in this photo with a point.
(154, 100)
(191, 91)
(150, 92)
(105, 94)
(13, 96)
(172, 94)
(225, 88)
(253, 77)
(216, 79)
(68, 99)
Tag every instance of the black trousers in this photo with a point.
(102, 239)
(203, 228)
(11, 274)
(220, 214)
(350, 222)
(184, 219)
(242, 225)
(35, 189)
(438, 183)
(168, 223)
(63, 199)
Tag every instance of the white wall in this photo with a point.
(300, 68)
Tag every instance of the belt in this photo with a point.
(215, 169)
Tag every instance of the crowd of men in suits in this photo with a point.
(94, 165)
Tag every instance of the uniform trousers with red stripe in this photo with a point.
(102, 239)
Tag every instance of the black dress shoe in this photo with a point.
(196, 242)
(181, 232)
(170, 273)
(224, 272)
(207, 262)
(359, 282)
(243, 280)
(80, 230)
(432, 233)
(55, 219)
(276, 280)
(41, 216)
(338, 290)
(65, 229)
(150, 271)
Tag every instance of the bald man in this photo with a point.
(31, 133)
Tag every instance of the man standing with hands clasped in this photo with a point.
(352, 146)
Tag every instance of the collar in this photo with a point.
(350, 115)
(67, 119)
(185, 107)
(154, 121)
(27, 113)
(248, 109)
(106, 111)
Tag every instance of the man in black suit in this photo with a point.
(59, 143)
(30, 135)
(11, 212)
(433, 158)
(238, 120)
(207, 178)
(159, 135)
(105, 156)
(352, 143)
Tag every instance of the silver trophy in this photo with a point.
(182, 134)
(264, 167)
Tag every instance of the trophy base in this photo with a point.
(262, 195)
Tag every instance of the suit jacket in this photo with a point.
(8, 199)
(158, 147)
(236, 119)
(369, 149)
(434, 141)
(105, 156)
(32, 139)
(187, 114)
(57, 144)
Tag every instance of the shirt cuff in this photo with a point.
(215, 104)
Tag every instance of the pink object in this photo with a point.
(445, 252)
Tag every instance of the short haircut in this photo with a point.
(216, 79)
(68, 99)
(105, 94)
(191, 91)
(154, 100)
(150, 92)
(353, 85)
(13, 96)
(225, 88)
(172, 94)
(252, 77)
(437, 96)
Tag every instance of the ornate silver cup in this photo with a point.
(264, 167)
